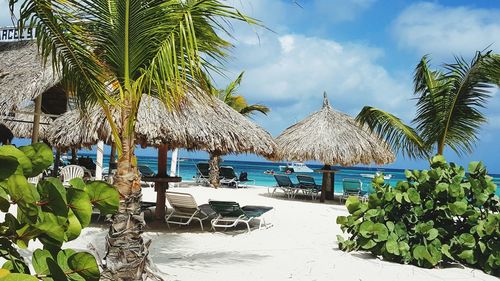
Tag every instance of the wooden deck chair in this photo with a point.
(70, 172)
(184, 207)
(352, 187)
(230, 214)
(285, 183)
(308, 186)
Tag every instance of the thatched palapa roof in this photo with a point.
(21, 123)
(22, 77)
(332, 138)
(201, 123)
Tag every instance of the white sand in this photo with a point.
(301, 245)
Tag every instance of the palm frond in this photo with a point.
(401, 137)
(63, 37)
(428, 84)
(254, 108)
(469, 86)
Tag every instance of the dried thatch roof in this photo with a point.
(201, 123)
(22, 77)
(21, 124)
(333, 138)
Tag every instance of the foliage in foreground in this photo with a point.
(435, 216)
(48, 212)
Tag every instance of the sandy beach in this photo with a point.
(300, 245)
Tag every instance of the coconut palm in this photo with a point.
(448, 107)
(112, 52)
(230, 96)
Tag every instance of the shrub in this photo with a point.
(435, 216)
(48, 212)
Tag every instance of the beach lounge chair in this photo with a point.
(285, 183)
(352, 187)
(230, 214)
(244, 178)
(184, 207)
(308, 186)
(228, 177)
(70, 172)
(202, 173)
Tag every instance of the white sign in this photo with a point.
(11, 34)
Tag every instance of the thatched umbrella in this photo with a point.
(21, 123)
(22, 76)
(332, 138)
(201, 123)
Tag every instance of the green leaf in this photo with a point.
(77, 183)
(53, 194)
(468, 256)
(24, 195)
(85, 265)
(40, 155)
(380, 231)
(55, 270)
(25, 167)
(25, 234)
(365, 229)
(432, 234)
(341, 220)
(104, 196)
(52, 225)
(4, 201)
(390, 226)
(40, 262)
(438, 161)
(8, 167)
(458, 208)
(352, 203)
(467, 240)
(445, 249)
(392, 247)
(414, 196)
(74, 227)
(19, 277)
(79, 203)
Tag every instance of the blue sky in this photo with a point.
(362, 52)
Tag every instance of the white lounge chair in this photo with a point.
(70, 172)
(184, 207)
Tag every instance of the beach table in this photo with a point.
(161, 186)
(328, 182)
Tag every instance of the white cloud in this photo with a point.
(440, 30)
(290, 72)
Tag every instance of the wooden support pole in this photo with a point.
(36, 119)
(112, 159)
(161, 188)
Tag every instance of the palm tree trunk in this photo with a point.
(127, 252)
(213, 169)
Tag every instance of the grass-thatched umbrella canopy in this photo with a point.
(200, 123)
(21, 123)
(22, 76)
(333, 138)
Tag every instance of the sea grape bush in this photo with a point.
(435, 216)
(49, 212)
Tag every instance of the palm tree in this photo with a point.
(448, 108)
(230, 97)
(110, 53)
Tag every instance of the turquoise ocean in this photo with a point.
(187, 170)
